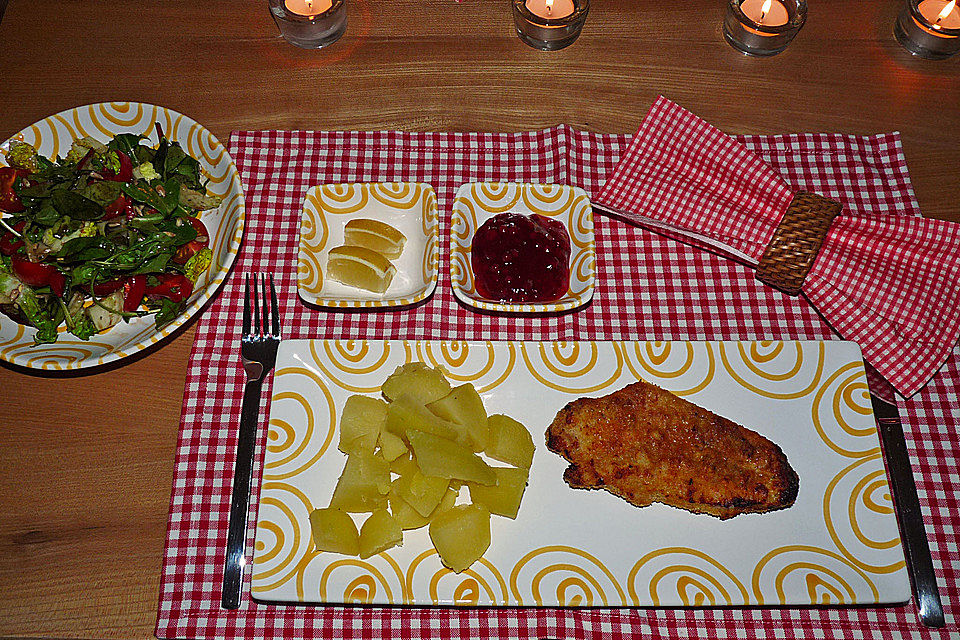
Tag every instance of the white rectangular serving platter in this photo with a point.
(837, 545)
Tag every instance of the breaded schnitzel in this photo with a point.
(647, 445)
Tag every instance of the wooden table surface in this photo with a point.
(87, 460)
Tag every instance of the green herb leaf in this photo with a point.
(147, 196)
(85, 248)
(71, 203)
(168, 312)
(126, 142)
(156, 264)
(103, 192)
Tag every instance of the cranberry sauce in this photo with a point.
(521, 258)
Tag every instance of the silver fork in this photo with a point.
(258, 350)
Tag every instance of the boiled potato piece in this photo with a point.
(509, 441)
(378, 533)
(464, 406)
(405, 515)
(404, 465)
(363, 484)
(406, 413)
(334, 530)
(391, 446)
(502, 499)
(360, 423)
(422, 492)
(444, 458)
(418, 380)
(408, 518)
(461, 535)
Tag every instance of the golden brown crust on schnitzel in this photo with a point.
(647, 445)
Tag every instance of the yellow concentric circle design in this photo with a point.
(573, 577)
(773, 369)
(671, 365)
(476, 363)
(684, 576)
(839, 406)
(827, 577)
(855, 496)
(573, 367)
(479, 585)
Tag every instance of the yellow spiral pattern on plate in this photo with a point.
(683, 576)
(349, 363)
(476, 363)
(477, 202)
(479, 585)
(316, 425)
(572, 367)
(573, 577)
(329, 207)
(356, 581)
(283, 536)
(772, 369)
(53, 137)
(671, 365)
(827, 577)
(854, 497)
(839, 404)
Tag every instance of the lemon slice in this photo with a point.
(360, 267)
(375, 235)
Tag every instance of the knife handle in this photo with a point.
(240, 498)
(923, 579)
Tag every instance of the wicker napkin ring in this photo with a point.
(790, 255)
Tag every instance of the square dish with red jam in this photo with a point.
(522, 248)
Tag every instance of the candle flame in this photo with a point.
(766, 7)
(549, 4)
(946, 10)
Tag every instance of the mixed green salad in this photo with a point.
(108, 233)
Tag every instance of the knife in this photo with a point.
(923, 580)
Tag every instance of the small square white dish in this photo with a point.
(477, 202)
(409, 207)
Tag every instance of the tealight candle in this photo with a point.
(549, 24)
(308, 7)
(763, 27)
(550, 8)
(940, 13)
(929, 28)
(770, 13)
(310, 24)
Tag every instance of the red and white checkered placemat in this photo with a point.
(648, 287)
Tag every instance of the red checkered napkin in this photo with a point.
(890, 283)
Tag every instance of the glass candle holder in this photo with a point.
(763, 27)
(549, 25)
(310, 24)
(929, 28)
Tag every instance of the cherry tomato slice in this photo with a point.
(36, 274)
(133, 291)
(10, 243)
(186, 252)
(119, 207)
(172, 286)
(9, 200)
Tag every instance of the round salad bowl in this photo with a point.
(53, 137)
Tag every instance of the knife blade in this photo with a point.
(913, 536)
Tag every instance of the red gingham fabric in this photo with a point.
(889, 283)
(648, 287)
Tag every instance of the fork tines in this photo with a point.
(262, 308)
